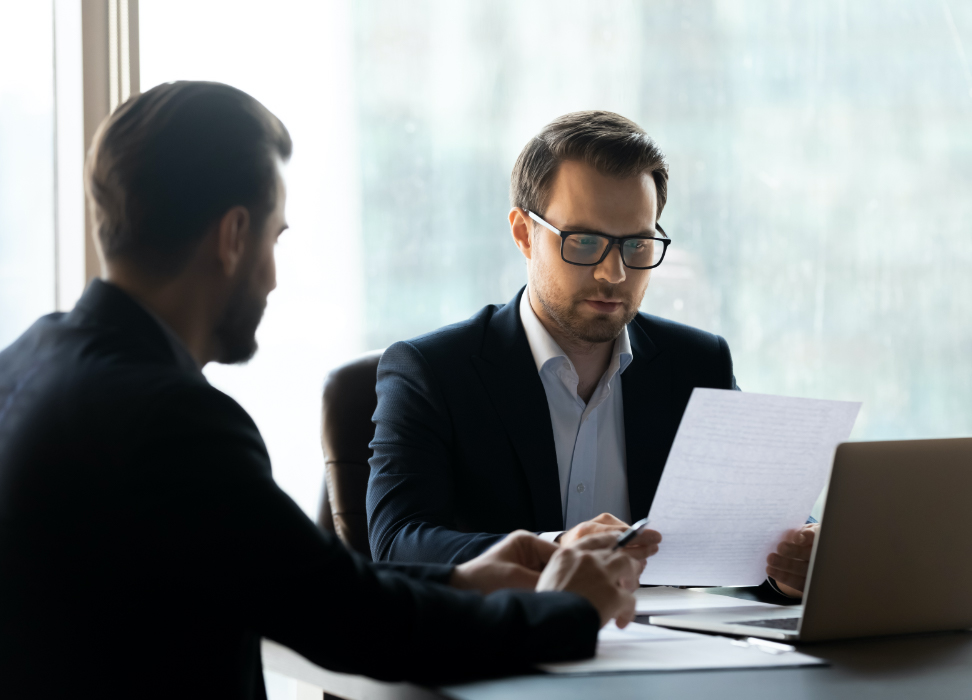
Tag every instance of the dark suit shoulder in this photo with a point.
(420, 371)
(460, 339)
(184, 399)
(668, 334)
(703, 357)
(182, 412)
(95, 391)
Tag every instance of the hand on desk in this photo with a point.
(588, 567)
(788, 566)
(514, 562)
(591, 569)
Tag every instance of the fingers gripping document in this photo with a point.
(743, 469)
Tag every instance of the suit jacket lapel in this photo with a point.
(646, 397)
(511, 379)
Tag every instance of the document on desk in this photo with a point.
(640, 647)
(743, 469)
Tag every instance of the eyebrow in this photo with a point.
(586, 229)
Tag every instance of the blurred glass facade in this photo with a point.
(27, 265)
(820, 199)
(821, 177)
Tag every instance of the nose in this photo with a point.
(611, 269)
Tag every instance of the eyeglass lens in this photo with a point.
(587, 249)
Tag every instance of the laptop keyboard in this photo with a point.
(783, 623)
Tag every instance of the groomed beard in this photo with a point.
(600, 329)
(236, 331)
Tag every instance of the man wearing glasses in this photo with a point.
(555, 412)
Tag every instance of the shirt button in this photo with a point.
(580, 488)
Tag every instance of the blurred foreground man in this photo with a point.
(555, 412)
(144, 547)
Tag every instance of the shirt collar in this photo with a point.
(544, 348)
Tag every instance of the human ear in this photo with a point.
(520, 227)
(232, 233)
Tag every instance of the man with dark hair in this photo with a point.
(144, 547)
(554, 413)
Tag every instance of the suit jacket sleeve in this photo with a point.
(411, 499)
(226, 537)
(436, 573)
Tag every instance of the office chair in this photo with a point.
(349, 402)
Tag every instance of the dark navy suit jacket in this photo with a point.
(143, 542)
(464, 448)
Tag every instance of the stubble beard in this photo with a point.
(566, 314)
(599, 329)
(236, 332)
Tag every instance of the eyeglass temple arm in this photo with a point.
(559, 232)
(544, 223)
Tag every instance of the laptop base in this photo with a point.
(767, 625)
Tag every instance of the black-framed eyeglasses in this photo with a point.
(589, 248)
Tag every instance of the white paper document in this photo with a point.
(648, 648)
(743, 469)
(637, 632)
(663, 600)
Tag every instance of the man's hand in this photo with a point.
(644, 546)
(605, 522)
(514, 562)
(788, 566)
(590, 569)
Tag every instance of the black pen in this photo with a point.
(629, 534)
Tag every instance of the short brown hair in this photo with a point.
(606, 141)
(172, 161)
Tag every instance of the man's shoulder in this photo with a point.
(696, 356)
(161, 399)
(456, 340)
(670, 335)
(99, 379)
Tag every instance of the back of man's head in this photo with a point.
(608, 142)
(167, 165)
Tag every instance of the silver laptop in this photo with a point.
(893, 556)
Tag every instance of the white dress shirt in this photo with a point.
(589, 437)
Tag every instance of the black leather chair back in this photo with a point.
(348, 405)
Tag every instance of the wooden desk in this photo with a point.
(929, 667)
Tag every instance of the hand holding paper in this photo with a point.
(743, 469)
(790, 563)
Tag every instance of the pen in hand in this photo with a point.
(628, 535)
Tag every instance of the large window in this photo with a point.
(821, 177)
(821, 170)
(27, 174)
